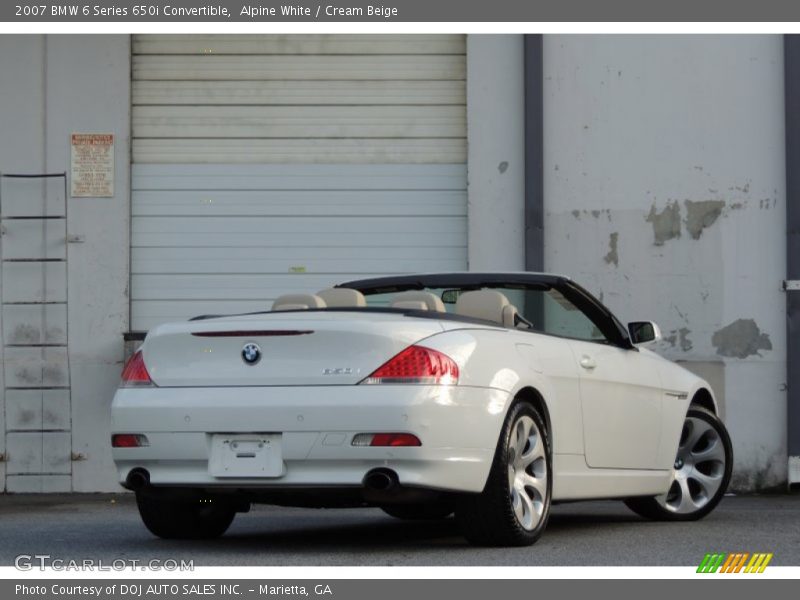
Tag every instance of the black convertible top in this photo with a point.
(591, 306)
(460, 280)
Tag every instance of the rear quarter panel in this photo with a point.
(511, 361)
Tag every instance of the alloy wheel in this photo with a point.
(699, 468)
(527, 472)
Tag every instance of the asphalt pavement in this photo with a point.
(107, 527)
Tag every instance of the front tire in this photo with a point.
(186, 519)
(700, 475)
(514, 507)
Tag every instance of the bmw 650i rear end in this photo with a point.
(303, 410)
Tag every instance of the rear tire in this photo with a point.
(700, 475)
(418, 512)
(187, 520)
(514, 507)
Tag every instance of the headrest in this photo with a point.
(489, 305)
(431, 301)
(342, 297)
(298, 302)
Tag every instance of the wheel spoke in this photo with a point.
(685, 504)
(535, 483)
(709, 483)
(697, 429)
(516, 504)
(535, 452)
(530, 518)
(523, 431)
(714, 452)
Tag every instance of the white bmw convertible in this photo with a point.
(487, 395)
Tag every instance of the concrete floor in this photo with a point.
(107, 527)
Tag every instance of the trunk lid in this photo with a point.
(296, 348)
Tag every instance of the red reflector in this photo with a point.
(128, 440)
(417, 364)
(395, 439)
(135, 372)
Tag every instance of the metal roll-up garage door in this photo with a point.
(271, 164)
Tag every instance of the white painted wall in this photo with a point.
(635, 124)
(495, 152)
(65, 84)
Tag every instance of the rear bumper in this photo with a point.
(458, 428)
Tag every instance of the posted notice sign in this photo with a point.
(92, 165)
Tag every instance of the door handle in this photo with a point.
(587, 362)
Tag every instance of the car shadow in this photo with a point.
(301, 536)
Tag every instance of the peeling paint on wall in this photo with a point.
(702, 214)
(666, 224)
(741, 339)
(612, 258)
(680, 338)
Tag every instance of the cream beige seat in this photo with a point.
(489, 305)
(342, 298)
(298, 302)
(412, 299)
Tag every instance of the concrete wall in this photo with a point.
(496, 152)
(664, 195)
(54, 86)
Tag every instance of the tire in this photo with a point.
(701, 473)
(185, 520)
(508, 512)
(418, 512)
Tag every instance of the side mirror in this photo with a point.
(643, 332)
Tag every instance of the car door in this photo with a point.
(621, 406)
(620, 387)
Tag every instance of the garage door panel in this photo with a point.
(364, 240)
(297, 44)
(298, 121)
(298, 67)
(231, 287)
(267, 259)
(299, 177)
(298, 93)
(179, 203)
(304, 150)
(297, 225)
(149, 313)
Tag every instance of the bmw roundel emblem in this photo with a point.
(251, 353)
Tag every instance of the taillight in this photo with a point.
(129, 440)
(417, 364)
(135, 372)
(386, 439)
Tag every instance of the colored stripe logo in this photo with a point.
(736, 562)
